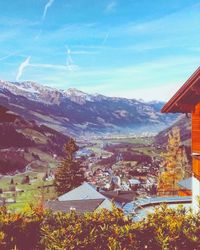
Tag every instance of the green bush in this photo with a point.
(21, 231)
(40, 229)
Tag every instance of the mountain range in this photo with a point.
(76, 113)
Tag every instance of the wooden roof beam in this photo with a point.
(185, 94)
(185, 107)
(196, 90)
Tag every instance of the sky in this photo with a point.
(144, 49)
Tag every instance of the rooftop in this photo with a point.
(83, 192)
(80, 206)
(120, 196)
(186, 98)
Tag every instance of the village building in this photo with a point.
(86, 192)
(187, 100)
(120, 197)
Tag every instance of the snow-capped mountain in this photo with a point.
(33, 91)
(73, 111)
(40, 93)
(78, 96)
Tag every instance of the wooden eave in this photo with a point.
(186, 98)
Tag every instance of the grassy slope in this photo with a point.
(31, 193)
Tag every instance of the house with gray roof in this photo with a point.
(80, 206)
(84, 198)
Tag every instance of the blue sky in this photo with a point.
(130, 48)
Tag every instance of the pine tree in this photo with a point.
(69, 174)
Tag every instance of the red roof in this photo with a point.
(186, 98)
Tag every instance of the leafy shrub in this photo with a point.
(21, 231)
(36, 229)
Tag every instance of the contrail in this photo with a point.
(48, 5)
(106, 38)
(69, 60)
(38, 35)
(22, 67)
(5, 57)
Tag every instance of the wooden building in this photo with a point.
(187, 100)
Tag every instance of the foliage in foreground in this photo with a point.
(40, 229)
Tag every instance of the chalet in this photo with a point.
(84, 198)
(187, 100)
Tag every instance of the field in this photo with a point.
(140, 144)
(26, 194)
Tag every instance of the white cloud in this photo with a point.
(5, 57)
(22, 67)
(8, 35)
(8, 21)
(180, 23)
(69, 61)
(53, 66)
(47, 6)
(160, 93)
(152, 80)
(82, 31)
(82, 52)
(38, 35)
(106, 38)
(110, 6)
(48, 66)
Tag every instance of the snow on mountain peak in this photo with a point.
(33, 91)
(41, 93)
(76, 92)
(78, 96)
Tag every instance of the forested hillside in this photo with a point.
(23, 142)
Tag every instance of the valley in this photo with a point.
(99, 125)
(120, 141)
(125, 163)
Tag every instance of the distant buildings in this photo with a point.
(84, 152)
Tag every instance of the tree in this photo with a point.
(69, 174)
(175, 163)
(25, 180)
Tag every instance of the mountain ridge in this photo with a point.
(75, 112)
(30, 87)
